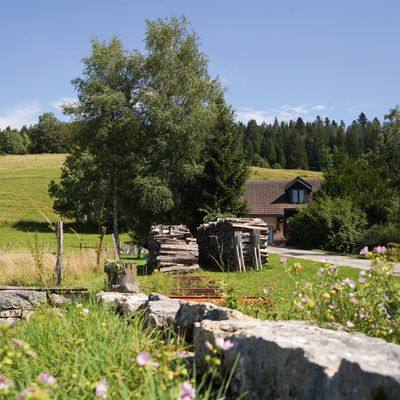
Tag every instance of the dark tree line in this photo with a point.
(49, 135)
(308, 145)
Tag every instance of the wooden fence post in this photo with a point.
(115, 245)
(100, 247)
(58, 267)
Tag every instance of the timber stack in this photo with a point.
(237, 244)
(172, 249)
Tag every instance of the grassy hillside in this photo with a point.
(263, 174)
(24, 199)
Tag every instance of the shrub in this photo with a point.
(378, 234)
(328, 223)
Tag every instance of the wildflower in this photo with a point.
(266, 291)
(363, 314)
(101, 389)
(84, 312)
(224, 344)
(353, 298)
(5, 383)
(297, 267)
(26, 392)
(208, 345)
(144, 359)
(349, 282)
(380, 249)
(307, 285)
(326, 296)
(361, 279)
(334, 286)
(349, 324)
(47, 379)
(364, 251)
(181, 354)
(305, 299)
(332, 306)
(320, 272)
(187, 391)
(283, 260)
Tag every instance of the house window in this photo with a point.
(298, 196)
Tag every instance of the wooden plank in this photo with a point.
(255, 244)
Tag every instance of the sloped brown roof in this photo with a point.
(269, 197)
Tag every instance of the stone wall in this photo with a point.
(19, 303)
(278, 359)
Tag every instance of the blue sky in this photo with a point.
(284, 58)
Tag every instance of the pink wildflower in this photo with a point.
(208, 345)
(144, 359)
(380, 249)
(47, 379)
(5, 383)
(84, 312)
(101, 389)
(224, 344)
(363, 314)
(283, 260)
(364, 251)
(181, 354)
(187, 391)
(332, 306)
(26, 392)
(349, 282)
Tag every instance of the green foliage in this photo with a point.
(369, 304)
(363, 181)
(81, 192)
(339, 225)
(13, 142)
(49, 135)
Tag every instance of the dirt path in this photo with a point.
(342, 261)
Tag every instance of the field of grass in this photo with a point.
(25, 204)
(264, 174)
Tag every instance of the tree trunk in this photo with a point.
(115, 214)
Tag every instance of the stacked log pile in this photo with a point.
(172, 249)
(233, 244)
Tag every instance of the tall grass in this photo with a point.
(82, 345)
(36, 268)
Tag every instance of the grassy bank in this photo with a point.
(264, 174)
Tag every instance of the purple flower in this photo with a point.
(47, 379)
(101, 389)
(283, 260)
(349, 282)
(26, 392)
(208, 345)
(320, 272)
(332, 306)
(144, 359)
(380, 249)
(305, 299)
(187, 391)
(364, 251)
(363, 314)
(224, 344)
(5, 384)
(181, 354)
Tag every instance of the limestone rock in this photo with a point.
(189, 313)
(15, 299)
(110, 297)
(129, 304)
(296, 360)
(159, 310)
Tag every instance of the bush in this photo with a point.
(258, 161)
(380, 234)
(277, 166)
(328, 223)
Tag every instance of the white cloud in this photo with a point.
(58, 104)
(20, 116)
(283, 113)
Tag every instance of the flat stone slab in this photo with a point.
(296, 360)
(16, 299)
